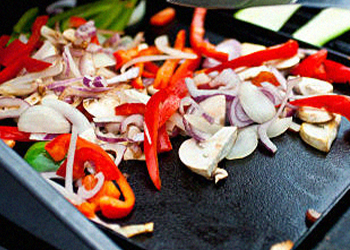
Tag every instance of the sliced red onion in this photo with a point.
(262, 128)
(279, 126)
(70, 160)
(103, 59)
(227, 79)
(255, 104)
(118, 149)
(71, 65)
(200, 123)
(86, 65)
(58, 6)
(42, 136)
(230, 46)
(280, 78)
(139, 137)
(72, 114)
(127, 75)
(271, 92)
(74, 91)
(148, 59)
(109, 137)
(201, 94)
(72, 197)
(102, 121)
(195, 133)
(12, 107)
(135, 119)
(86, 31)
(246, 143)
(113, 41)
(194, 109)
(45, 51)
(162, 44)
(24, 85)
(87, 194)
(94, 48)
(237, 116)
(57, 85)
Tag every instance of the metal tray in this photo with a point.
(262, 202)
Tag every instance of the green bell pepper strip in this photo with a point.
(39, 159)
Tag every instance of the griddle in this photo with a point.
(262, 202)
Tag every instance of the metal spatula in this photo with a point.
(239, 4)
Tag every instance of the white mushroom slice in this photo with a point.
(69, 34)
(220, 174)
(314, 115)
(202, 124)
(279, 127)
(256, 105)
(43, 119)
(102, 60)
(248, 48)
(103, 107)
(215, 107)
(286, 63)
(129, 155)
(320, 136)
(312, 86)
(245, 144)
(137, 96)
(252, 72)
(203, 158)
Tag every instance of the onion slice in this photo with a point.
(70, 160)
(12, 107)
(87, 194)
(162, 44)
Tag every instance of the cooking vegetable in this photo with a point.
(269, 17)
(283, 51)
(320, 136)
(12, 133)
(197, 37)
(203, 158)
(39, 159)
(163, 17)
(325, 26)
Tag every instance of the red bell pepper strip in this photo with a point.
(34, 65)
(337, 72)
(265, 76)
(14, 51)
(12, 133)
(197, 41)
(185, 69)
(281, 51)
(164, 143)
(34, 38)
(167, 69)
(58, 147)
(151, 135)
(88, 209)
(312, 66)
(163, 17)
(4, 39)
(11, 71)
(130, 109)
(339, 104)
(76, 21)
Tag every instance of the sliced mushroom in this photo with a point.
(320, 136)
(203, 158)
(314, 115)
(245, 144)
(103, 107)
(43, 119)
(285, 63)
(215, 107)
(202, 124)
(249, 73)
(312, 86)
(248, 48)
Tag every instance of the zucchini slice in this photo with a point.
(324, 27)
(269, 17)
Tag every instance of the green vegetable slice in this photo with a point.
(327, 25)
(269, 17)
(39, 159)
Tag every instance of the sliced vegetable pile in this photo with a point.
(90, 100)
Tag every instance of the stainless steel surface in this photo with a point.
(239, 4)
